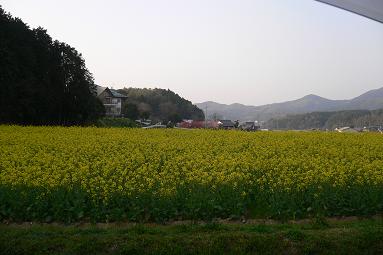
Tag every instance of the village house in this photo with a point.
(250, 126)
(112, 101)
(346, 130)
(227, 124)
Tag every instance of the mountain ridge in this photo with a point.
(370, 100)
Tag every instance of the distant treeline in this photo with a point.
(158, 105)
(42, 82)
(328, 120)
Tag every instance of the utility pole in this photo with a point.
(205, 116)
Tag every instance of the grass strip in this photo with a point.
(350, 237)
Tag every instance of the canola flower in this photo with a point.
(76, 173)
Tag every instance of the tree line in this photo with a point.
(328, 120)
(158, 105)
(42, 81)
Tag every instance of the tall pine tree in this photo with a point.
(42, 82)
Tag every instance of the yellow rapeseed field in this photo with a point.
(101, 174)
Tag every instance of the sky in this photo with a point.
(252, 52)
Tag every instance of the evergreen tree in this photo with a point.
(42, 82)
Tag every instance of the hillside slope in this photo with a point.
(160, 105)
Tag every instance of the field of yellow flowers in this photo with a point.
(100, 174)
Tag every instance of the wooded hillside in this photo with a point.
(42, 81)
(159, 105)
(328, 120)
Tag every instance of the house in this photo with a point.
(250, 126)
(227, 124)
(112, 101)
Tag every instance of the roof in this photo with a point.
(343, 128)
(99, 89)
(372, 9)
(347, 129)
(227, 123)
(115, 93)
(248, 123)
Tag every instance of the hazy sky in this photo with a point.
(246, 51)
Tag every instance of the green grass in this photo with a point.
(339, 237)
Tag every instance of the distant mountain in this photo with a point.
(370, 100)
